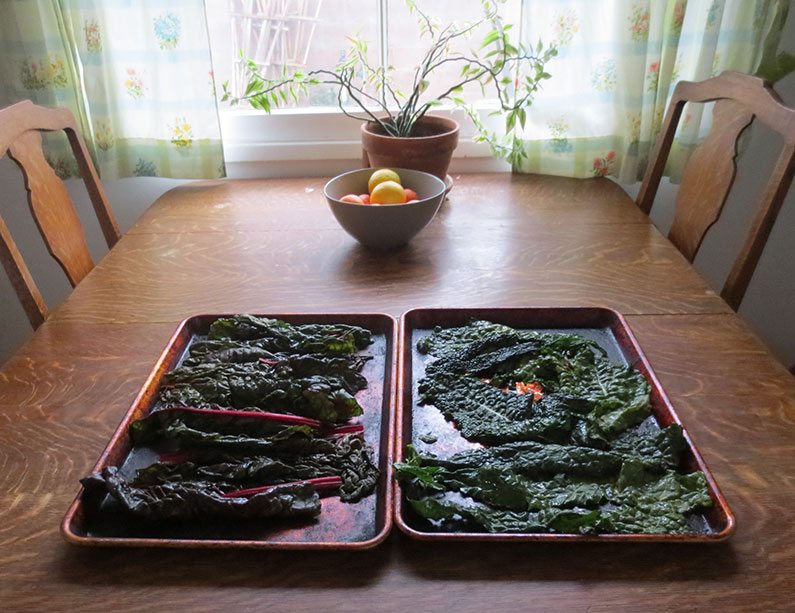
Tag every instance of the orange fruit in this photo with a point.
(352, 198)
(410, 194)
(365, 198)
(381, 175)
(388, 192)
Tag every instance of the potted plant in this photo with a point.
(398, 130)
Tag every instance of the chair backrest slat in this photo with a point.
(708, 177)
(18, 273)
(52, 208)
(711, 169)
(53, 211)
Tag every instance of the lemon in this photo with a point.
(379, 176)
(388, 192)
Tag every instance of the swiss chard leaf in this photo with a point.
(347, 457)
(278, 335)
(247, 385)
(186, 500)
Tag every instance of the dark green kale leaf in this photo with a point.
(498, 486)
(536, 460)
(280, 336)
(504, 489)
(673, 492)
(502, 496)
(472, 404)
(656, 450)
(414, 471)
(447, 514)
(486, 414)
(656, 507)
(472, 360)
(452, 340)
(191, 500)
(619, 396)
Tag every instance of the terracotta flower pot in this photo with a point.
(430, 150)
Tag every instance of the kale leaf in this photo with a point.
(573, 447)
(453, 515)
(503, 495)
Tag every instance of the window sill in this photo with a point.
(319, 142)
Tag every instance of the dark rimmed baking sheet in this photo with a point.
(605, 326)
(339, 526)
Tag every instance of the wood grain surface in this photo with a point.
(64, 392)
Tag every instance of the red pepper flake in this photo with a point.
(530, 388)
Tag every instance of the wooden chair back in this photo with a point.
(53, 211)
(712, 167)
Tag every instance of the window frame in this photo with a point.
(320, 140)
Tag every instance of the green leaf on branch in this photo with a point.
(254, 86)
(489, 38)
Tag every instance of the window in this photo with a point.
(311, 34)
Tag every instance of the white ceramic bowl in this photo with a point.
(384, 226)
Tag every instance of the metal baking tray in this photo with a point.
(605, 326)
(340, 525)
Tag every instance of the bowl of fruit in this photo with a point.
(384, 208)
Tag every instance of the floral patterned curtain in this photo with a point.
(137, 75)
(617, 66)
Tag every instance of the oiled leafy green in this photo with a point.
(276, 335)
(190, 500)
(213, 427)
(453, 515)
(208, 429)
(347, 457)
(451, 340)
(245, 385)
(485, 414)
(573, 446)
(504, 495)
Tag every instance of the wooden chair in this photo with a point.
(711, 168)
(20, 135)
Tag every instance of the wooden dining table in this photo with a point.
(272, 246)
